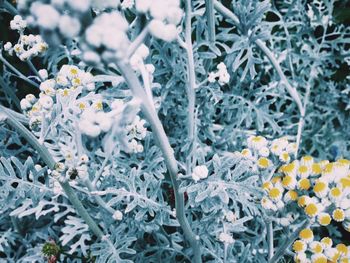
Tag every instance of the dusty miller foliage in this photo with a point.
(255, 101)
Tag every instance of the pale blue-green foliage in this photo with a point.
(254, 102)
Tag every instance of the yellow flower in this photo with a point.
(316, 247)
(343, 249)
(275, 193)
(307, 160)
(316, 168)
(299, 246)
(303, 171)
(319, 258)
(320, 188)
(304, 184)
(288, 182)
(246, 153)
(345, 182)
(324, 219)
(289, 169)
(267, 186)
(291, 195)
(327, 242)
(284, 157)
(335, 193)
(338, 215)
(263, 162)
(303, 200)
(306, 234)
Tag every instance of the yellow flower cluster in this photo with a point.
(321, 189)
(307, 249)
(266, 153)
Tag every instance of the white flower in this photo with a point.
(43, 74)
(92, 123)
(117, 104)
(69, 26)
(163, 31)
(25, 104)
(127, 4)
(31, 98)
(46, 102)
(231, 217)
(118, 215)
(256, 142)
(143, 6)
(226, 238)
(199, 172)
(79, 5)
(47, 84)
(47, 16)
(18, 23)
(91, 57)
(84, 159)
(7, 46)
(212, 77)
(264, 152)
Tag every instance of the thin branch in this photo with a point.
(137, 42)
(17, 72)
(209, 11)
(168, 153)
(270, 238)
(191, 75)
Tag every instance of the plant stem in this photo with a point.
(33, 68)
(138, 41)
(270, 238)
(168, 153)
(209, 11)
(10, 8)
(50, 162)
(282, 249)
(17, 72)
(191, 93)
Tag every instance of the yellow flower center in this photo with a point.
(342, 249)
(345, 182)
(304, 184)
(82, 106)
(263, 162)
(293, 195)
(287, 180)
(338, 215)
(302, 201)
(327, 241)
(320, 259)
(76, 81)
(303, 169)
(324, 220)
(276, 179)
(275, 193)
(289, 168)
(328, 168)
(316, 168)
(298, 246)
(306, 233)
(320, 187)
(311, 210)
(99, 105)
(336, 192)
(266, 185)
(245, 152)
(317, 247)
(73, 71)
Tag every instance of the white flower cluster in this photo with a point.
(118, 215)
(107, 32)
(27, 46)
(69, 79)
(166, 15)
(17, 23)
(200, 172)
(137, 60)
(221, 75)
(266, 153)
(135, 133)
(93, 123)
(225, 238)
